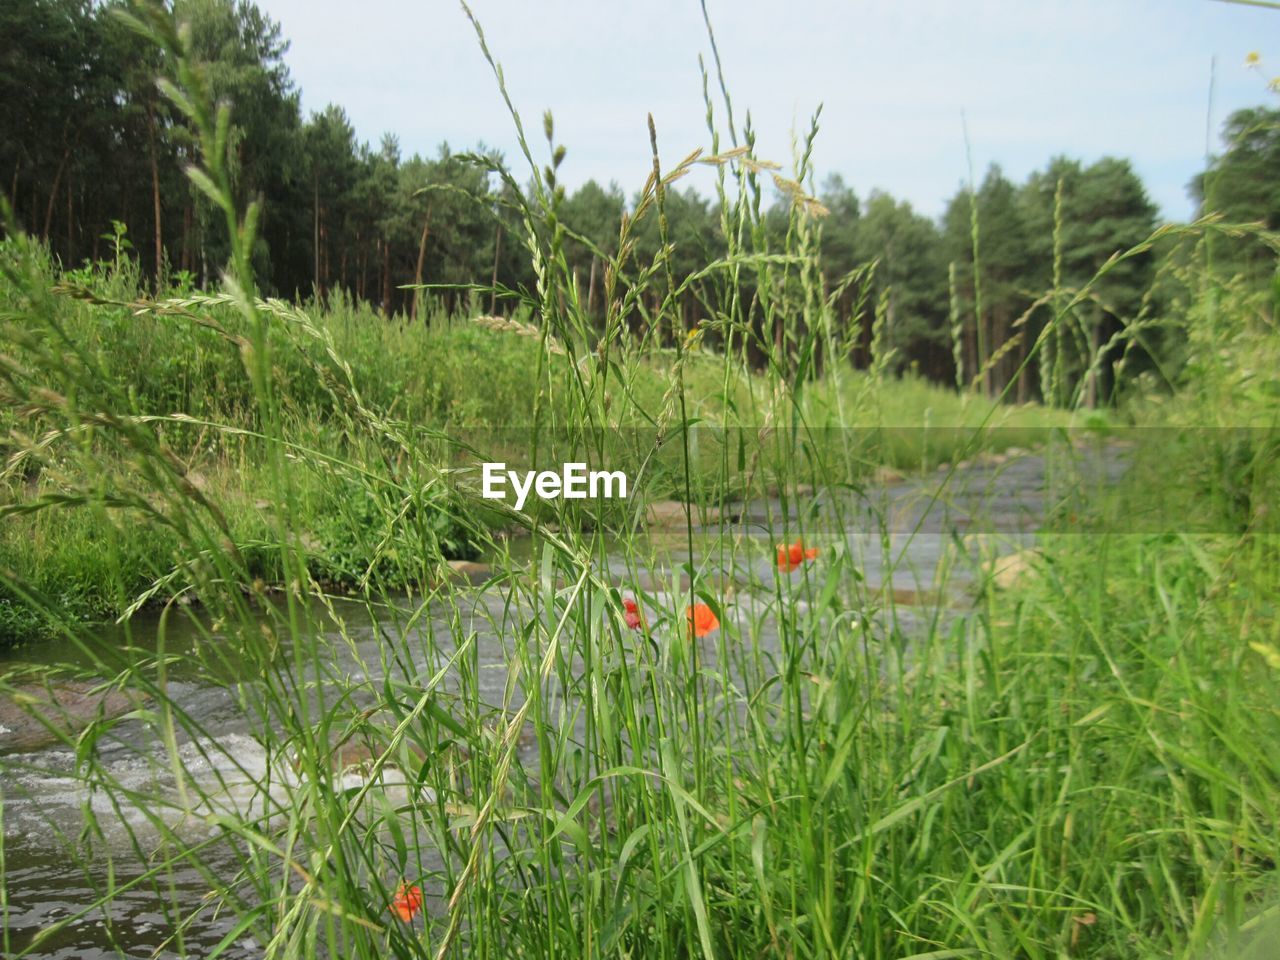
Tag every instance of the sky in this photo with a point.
(899, 82)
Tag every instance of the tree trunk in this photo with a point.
(187, 216)
(326, 266)
(997, 378)
(53, 192)
(155, 189)
(1024, 387)
(386, 277)
(315, 233)
(71, 223)
(362, 261)
(417, 272)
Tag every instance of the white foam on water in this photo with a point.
(145, 797)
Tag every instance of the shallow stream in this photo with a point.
(921, 540)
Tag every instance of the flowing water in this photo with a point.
(906, 538)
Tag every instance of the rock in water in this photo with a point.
(32, 715)
(469, 571)
(1007, 571)
(672, 513)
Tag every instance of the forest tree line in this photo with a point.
(89, 141)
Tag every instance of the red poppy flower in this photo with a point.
(793, 556)
(407, 901)
(701, 620)
(631, 613)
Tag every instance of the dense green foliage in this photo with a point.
(77, 97)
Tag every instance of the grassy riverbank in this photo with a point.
(453, 391)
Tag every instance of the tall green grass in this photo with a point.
(1076, 767)
(177, 361)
